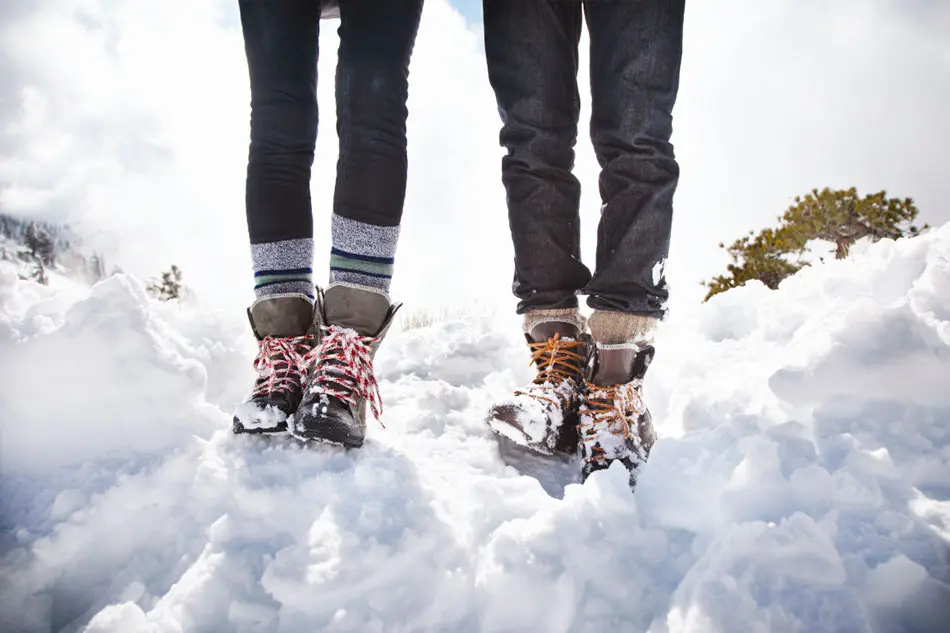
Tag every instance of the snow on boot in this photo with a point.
(282, 326)
(615, 424)
(341, 381)
(543, 416)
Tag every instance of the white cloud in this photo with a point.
(130, 119)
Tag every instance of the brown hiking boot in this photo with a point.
(615, 424)
(341, 380)
(543, 415)
(282, 326)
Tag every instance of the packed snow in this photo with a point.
(801, 482)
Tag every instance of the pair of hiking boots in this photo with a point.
(315, 364)
(586, 400)
(316, 379)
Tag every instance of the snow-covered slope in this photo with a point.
(802, 480)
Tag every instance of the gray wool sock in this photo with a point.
(283, 267)
(362, 254)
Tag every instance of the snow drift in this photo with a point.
(801, 482)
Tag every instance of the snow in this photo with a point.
(801, 481)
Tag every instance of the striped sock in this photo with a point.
(362, 254)
(283, 267)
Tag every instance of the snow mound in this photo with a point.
(801, 481)
(90, 382)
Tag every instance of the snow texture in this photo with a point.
(801, 481)
(605, 429)
(536, 413)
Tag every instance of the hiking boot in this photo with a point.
(340, 380)
(615, 424)
(543, 416)
(281, 324)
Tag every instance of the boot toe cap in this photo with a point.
(329, 421)
(261, 416)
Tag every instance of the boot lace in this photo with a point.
(609, 411)
(279, 363)
(557, 362)
(343, 368)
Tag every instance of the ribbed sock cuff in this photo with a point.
(283, 267)
(617, 328)
(533, 318)
(362, 254)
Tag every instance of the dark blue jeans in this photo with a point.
(372, 77)
(635, 53)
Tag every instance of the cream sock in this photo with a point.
(617, 328)
(534, 318)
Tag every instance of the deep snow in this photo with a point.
(801, 481)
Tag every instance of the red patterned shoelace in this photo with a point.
(343, 364)
(281, 360)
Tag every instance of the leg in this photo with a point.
(372, 87)
(636, 49)
(280, 40)
(531, 51)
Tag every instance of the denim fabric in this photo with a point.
(281, 43)
(635, 53)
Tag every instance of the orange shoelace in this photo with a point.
(557, 362)
(611, 410)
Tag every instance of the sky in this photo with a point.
(471, 9)
(128, 119)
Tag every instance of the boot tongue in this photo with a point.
(281, 316)
(547, 330)
(362, 310)
(619, 364)
(544, 331)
